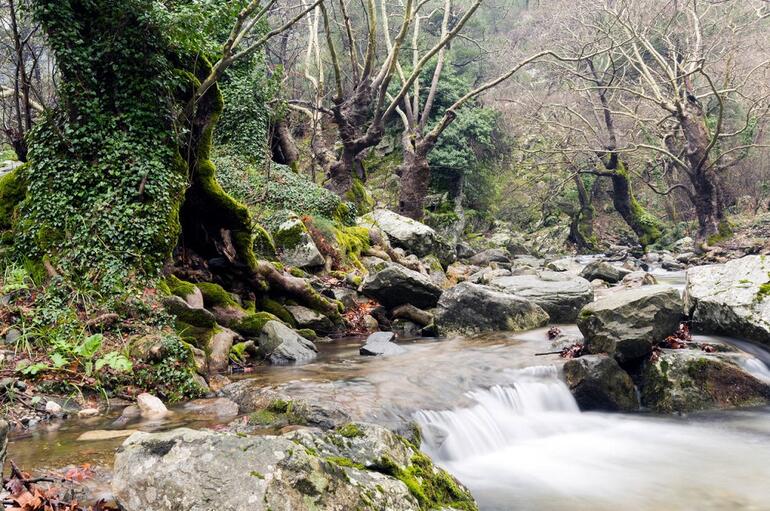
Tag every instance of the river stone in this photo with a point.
(296, 246)
(638, 279)
(308, 318)
(604, 271)
(98, 435)
(187, 470)
(281, 345)
(627, 323)
(393, 285)
(690, 380)
(472, 308)
(560, 295)
(150, 406)
(732, 298)
(413, 314)
(381, 343)
(492, 255)
(411, 235)
(211, 407)
(599, 383)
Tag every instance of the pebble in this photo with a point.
(54, 408)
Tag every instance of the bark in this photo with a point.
(581, 230)
(284, 146)
(415, 176)
(645, 226)
(708, 198)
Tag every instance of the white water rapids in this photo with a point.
(525, 446)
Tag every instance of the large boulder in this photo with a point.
(471, 308)
(392, 285)
(599, 383)
(281, 345)
(491, 255)
(627, 323)
(411, 235)
(360, 466)
(731, 298)
(296, 247)
(690, 380)
(308, 318)
(561, 295)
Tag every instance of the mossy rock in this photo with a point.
(277, 309)
(178, 287)
(251, 325)
(264, 246)
(13, 189)
(215, 295)
(178, 308)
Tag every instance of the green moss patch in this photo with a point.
(251, 325)
(214, 295)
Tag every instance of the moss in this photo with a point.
(277, 309)
(298, 272)
(308, 333)
(352, 242)
(264, 246)
(258, 475)
(764, 291)
(289, 236)
(163, 288)
(179, 287)
(280, 406)
(214, 295)
(251, 325)
(433, 487)
(263, 418)
(724, 232)
(13, 189)
(351, 430)
(344, 462)
(359, 196)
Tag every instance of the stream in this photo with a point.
(499, 418)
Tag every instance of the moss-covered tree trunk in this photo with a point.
(581, 229)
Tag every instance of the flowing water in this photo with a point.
(498, 416)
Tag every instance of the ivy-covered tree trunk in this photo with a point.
(581, 229)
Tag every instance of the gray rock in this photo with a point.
(186, 470)
(599, 383)
(412, 313)
(528, 261)
(12, 336)
(560, 294)
(486, 275)
(381, 343)
(472, 308)
(411, 235)
(690, 380)
(348, 297)
(200, 318)
(464, 251)
(638, 279)
(296, 246)
(406, 329)
(604, 271)
(281, 345)
(308, 318)
(492, 255)
(627, 323)
(211, 407)
(150, 406)
(669, 263)
(731, 298)
(395, 285)
(686, 244)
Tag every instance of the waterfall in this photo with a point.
(501, 415)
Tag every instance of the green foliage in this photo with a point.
(13, 189)
(173, 377)
(105, 179)
(270, 194)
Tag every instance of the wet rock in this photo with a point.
(472, 308)
(412, 313)
(486, 275)
(689, 380)
(561, 295)
(381, 343)
(219, 349)
(200, 470)
(98, 435)
(212, 407)
(669, 263)
(528, 261)
(604, 271)
(87, 413)
(626, 323)
(296, 246)
(492, 255)
(406, 329)
(599, 383)
(395, 285)
(308, 318)
(150, 406)
(566, 264)
(281, 345)
(686, 244)
(731, 298)
(464, 251)
(411, 235)
(53, 408)
(638, 279)
(218, 381)
(370, 323)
